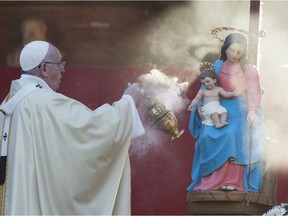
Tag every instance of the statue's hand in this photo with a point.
(252, 117)
(200, 111)
(191, 107)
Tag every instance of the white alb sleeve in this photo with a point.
(137, 129)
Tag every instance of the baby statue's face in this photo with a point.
(208, 82)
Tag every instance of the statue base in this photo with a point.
(226, 203)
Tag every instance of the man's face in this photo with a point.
(55, 68)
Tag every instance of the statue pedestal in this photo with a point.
(232, 202)
(235, 202)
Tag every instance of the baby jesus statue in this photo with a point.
(213, 113)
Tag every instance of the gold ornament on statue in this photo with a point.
(163, 118)
(205, 66)
(215, 32)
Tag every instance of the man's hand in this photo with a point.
(135, 92)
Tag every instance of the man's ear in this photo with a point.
(43, 70)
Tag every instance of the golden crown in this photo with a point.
(215, 32)
(205, 66)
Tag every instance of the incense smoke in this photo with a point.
(171, 93)
(166, 89)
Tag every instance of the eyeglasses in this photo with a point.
(60, 64)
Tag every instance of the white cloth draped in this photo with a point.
(210, 108)
(64, 158)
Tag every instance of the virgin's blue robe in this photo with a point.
(215, 146)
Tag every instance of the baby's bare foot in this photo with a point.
(227, 188)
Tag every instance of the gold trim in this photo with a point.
(217, 30)
(2, 197)
(205, 66)
(4, 186)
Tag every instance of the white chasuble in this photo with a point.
(64, 158)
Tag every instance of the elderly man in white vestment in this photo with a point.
(58, 156)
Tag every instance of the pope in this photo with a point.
(57, 155)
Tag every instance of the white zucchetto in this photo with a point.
(33, 54)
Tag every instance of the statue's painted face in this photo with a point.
(234, 53)
(208, 82)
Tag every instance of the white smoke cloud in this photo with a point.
(166, 89)
(169, 92)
